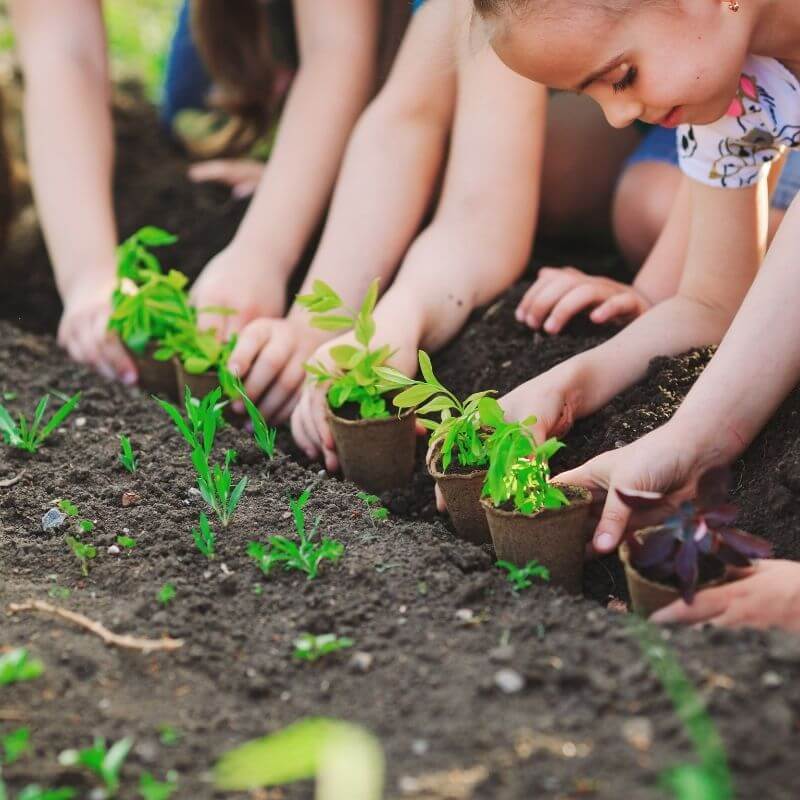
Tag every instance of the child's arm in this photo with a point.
(481, 235)
(388, 178)
(725, 245)
(558, 294)
(756, 366)
(338, 55)
(70, 148)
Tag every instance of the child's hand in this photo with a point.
(241, 175)
(558, 295)
(767, 597)
(241, 280)
(83, 333)
(269, 356)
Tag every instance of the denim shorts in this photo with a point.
(659, 144)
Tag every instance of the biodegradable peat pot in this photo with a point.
(462, 493)
(555, 537)
(375, 454)
(155, 377)
(648, 596)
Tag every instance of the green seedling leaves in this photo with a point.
(321, 299)
(166, 594)
(15, 745)
(346, 760)
(308, 647)
(35, 793)
(84, 553)
(68, 507)
(203, 419)
(105, 763)
(127, 457)
(377, 512)
(215, 483)
(199, 351)
(126, 542)
(520, 577)
(29, 436)
(151, 789)
(263, 435)
(168, 735)
(204, 537)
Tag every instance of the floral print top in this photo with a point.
(762, 122)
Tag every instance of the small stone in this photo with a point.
(509, 681)
(361, 661)
(53, 520)
(97, 794)
(619, 443)
(286, 696)
(322, 473)
(286, 515)
(113, 550)
(638, 733)
(104, 704)
(130, 499)
(465, 615)
(502, 655)
(147, 751)
(420, 747)
(194, 492)
(80, 422)
(771, 680)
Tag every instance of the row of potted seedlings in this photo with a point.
(495, 478)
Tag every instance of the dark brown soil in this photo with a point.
(430, 692)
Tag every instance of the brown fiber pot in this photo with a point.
(462, 494)
(375, 454)
(555, 538)
(648, 596)
(155, 377)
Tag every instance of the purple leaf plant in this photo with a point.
(698, 532)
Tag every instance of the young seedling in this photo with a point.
(104, 762)
(264, 435)
(520, 577)
(126, 543)
(17, 667)
(377, 513)
(354, 378)
(519, 470)
(127, 457)
(166, 594)
(305, 555)
(697, 532)
(29, 436)
(216, 485)
(83, 552)
(36, 793)
(204, 537)
(151, 789)
(12, 747)
(168, 735)
(203, 419)
(458, 428)
(308, 647)
(15, 745)
(198, 351)
(68, 507)
(147, 304)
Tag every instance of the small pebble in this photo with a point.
(465, 615)
(80, 422)
(420, 747)
(502, 655)
(509, 681)
(638, 733)
(53, 520)
(361, 661)
(771, 680)
(113, 550)
(194, 492)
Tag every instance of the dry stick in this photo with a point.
(7, 484)
(110, 638)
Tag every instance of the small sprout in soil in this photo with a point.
(520, 577)
(204, 537)
(15, 745)
(35, 793)
(203, 419)
(166, 594)
(59, 593)
(459, 428)
(147, 305)
(519, 470)
(68, 508)
(305, 556)
(127, 457)
(710, 779)
(216, 485)
(29, 436)
(85, 526)
(308, 647)
(104, 762)
(168, 735)
(9, 396)
(126, 543)
(263, 435)
(354, 378)
(151, 789)
(697, 533)
(83, 552)
(377, 513)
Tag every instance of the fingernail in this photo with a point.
(604, 542)
(532, 321)
(238, 407)
(520, 315)
(550, 326)
(129, 378)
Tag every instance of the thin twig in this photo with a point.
(110, 638)
(9, 482)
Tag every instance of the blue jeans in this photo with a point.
(187, 82)
(660, 144)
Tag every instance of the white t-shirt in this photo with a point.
(762, 122)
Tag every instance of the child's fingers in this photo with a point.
(249, 344)
(303, 430)
(547, 297)
(228, 171)
(319, 402)
(572, 303)
(268, 365)
(282, 390)
(284, 413)
(524, 309)
(624, 304)
(706, 606)
(113, 354)
(441, 506)
(244, 189)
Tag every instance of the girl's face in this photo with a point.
(665, 64)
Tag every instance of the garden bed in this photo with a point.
(430, 612)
